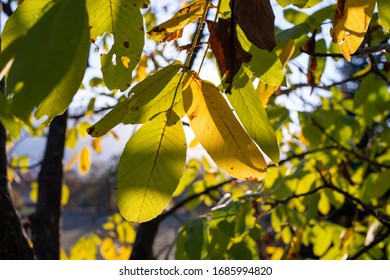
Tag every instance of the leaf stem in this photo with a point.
(197, 34)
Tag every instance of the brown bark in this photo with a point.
(45, 222)
(13, 242)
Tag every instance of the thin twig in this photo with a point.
(194, 196)
(197, 34)
(360, 52)
(375, 242)
(345, 149)
(302, 155)
(287, 199)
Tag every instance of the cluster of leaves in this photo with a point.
(338, 161)
(114, 243)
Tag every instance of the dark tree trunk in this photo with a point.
(143, 245)
(13, 242)
(45, 222)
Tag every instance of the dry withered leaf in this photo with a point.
(310, 47)
(226, 48)
(257, 20)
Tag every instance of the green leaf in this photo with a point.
(122, 19)
(323, 239)
(60, 98)
(295, 16)
(252, 115)
(6, 118)
(196, 241)
(264, 64)
(314, 21)
(150, 168)
(376, 185)
(371, 98)
(24, 17)
(148, 98)
(297, 3)
(190, 174)
(7, 56)
(56, 41)
(384, 14)
(219, 132)
(244, 250)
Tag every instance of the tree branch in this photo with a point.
(194, 196)
(302, 155)
(287, 199)
(375, 242)
(360, 52)
(350, 151)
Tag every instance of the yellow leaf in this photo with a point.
(182, 18)
(82, 128)
(108, 226)
(141, 69)
(351, 22)
(264, 90)
(219, 132)
(124, 252)
(65, 193)
(125, 61)
(84, 161)
(10, 175)
(34, 192)
(96, 144)
(71, 162)
(126, 232)
(107, 249)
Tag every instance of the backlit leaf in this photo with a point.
(219, 132)
(7, 119)
(146, 100)
(150, 168)
(179, 20)
(54, 42)
(122, 19)
(252, 115)
(264, 90)
(84, 161)
(384, 14)
(24, 17)
(141, 69)
(7, 56)
(351, 22)
(264, 64)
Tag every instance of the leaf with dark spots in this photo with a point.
(126, 44)
(226, 48)
(256, 18)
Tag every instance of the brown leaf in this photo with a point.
(173, 36)
(227, 49)
(310, 47)
(257, 20)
